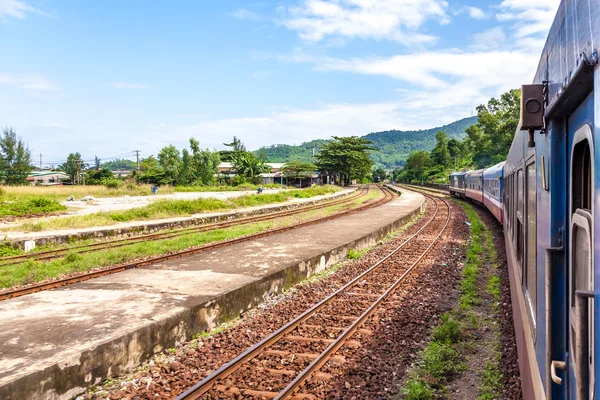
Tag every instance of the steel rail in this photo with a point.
(318, 362)
(226, 370)
(5, 295)
(51, 254)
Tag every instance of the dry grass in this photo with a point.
(60, 193)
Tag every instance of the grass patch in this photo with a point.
(7, 251)
(438, 361)
(491, 385)
(29, 206)
(475, 251)
(356, 254)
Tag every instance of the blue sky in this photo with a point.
(109, 77)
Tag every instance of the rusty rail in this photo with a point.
(226, 370)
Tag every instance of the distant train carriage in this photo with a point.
(457, 184)
(474, 185)
(493, 188)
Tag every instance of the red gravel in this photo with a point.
(400, 327)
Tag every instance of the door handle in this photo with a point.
(553, 367)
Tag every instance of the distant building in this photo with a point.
(276, 176)
(47, 178)
(227, 167)
(123, 173)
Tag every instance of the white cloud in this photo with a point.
(245, 15)
(395, 20)
(534, 17)
(17, 9)
(30, 82)
(476, 13)
(493, 38)
(121, 85)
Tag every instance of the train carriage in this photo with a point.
(549, 218)
(457, 184)
(474, 185)
(493, 188)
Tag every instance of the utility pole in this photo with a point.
(40, 161)
(137, 155)
(77, 163)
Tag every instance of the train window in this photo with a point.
(582, 177)
(519, 221)
(531, 246)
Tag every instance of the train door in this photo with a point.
(580, 261)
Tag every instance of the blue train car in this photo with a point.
(457, 184)
(549, 213)
(493, 186)
(474, 185)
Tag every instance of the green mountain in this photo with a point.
(394, 146)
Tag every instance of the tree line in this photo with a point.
(343, 159)
(487, 143)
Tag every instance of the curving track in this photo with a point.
(21, 291)
(288, 363)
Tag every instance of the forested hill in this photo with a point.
(394, 146)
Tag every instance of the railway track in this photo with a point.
(291, 362)
(21, 291)
(110, 244)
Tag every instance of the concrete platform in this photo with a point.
(56, 343)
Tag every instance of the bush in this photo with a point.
(448, 331)
(440, 360)
(417, 390)
(238, 180)
(112, 183)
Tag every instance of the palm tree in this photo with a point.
(248, 165)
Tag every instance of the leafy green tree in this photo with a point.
(205, 164)
(97, 163)
(298, 170)
(346, 157)
(236, 146)
(119, 165)
(459, 153)
(97, 176)
(169, 160)
(248, 165)
(73, 165)
(15, 158)
(491, 137)
(416, 166)
(440, 154)
(151, 172)
(149, 163)
(187, 169)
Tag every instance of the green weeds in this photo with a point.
(439, 360)
(29, 206)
